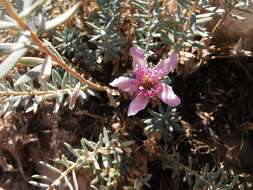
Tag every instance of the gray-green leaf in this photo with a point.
(11, 61)
(61, 18)
(28, 76)
(13, 58)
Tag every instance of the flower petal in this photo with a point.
(168, 96)
(125, 84)
(137, 104)
(167, 65)
(139, 58)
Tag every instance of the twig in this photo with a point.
(218, 24)
(189, 170)
(37, 93)
(35, 39)
(79, 113)
(71, 168)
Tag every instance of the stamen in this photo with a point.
(149, 83)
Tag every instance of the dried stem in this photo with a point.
(218, 24)
(36, 92)
(71, 168)
(86, 113)
(35, 39)
(189, 170)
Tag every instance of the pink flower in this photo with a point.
(148, 82)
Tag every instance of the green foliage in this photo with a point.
(72, 44)
(157, 27)
(59, 87)
(105, 25)
(101, 160)
(31, 13)
(164, 121)
(22, 88)
(206, 178)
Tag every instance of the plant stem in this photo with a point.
(35, 39)
(218, 24)
(72, 167)
(37, 93)
(189, 170)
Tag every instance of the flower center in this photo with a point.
(149, 85)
